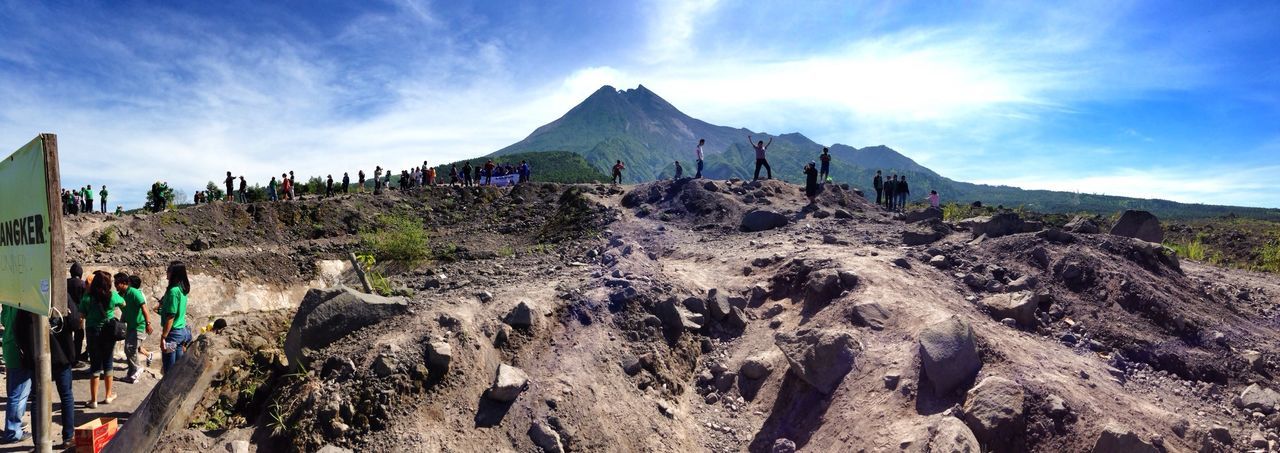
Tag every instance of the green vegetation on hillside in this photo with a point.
(546, 166)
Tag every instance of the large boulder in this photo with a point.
(921, 215)
(1259, 398)
(869, 314)
(327, 315)
(928, 231)
(545, 437)
(819, 357)
(993, 410)
(675, 317)
(1000, 224)
(508, 383)
(949, 354)
(948, 434)
(1118, 439)
(762, 220)
(1021, 306)
(1140, 225)
(1082, 225)
(520, 316)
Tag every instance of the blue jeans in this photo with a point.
(62, 380)
(698, 174)
(179, 337)
(18, 385)
(271, 194)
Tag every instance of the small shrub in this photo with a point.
(1269, 257)
(108, 237)
(506, 251)
(398, 238)
(1194, 250)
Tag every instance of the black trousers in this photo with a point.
(765, 164)
(879, 198)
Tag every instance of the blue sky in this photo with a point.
(1175, 100)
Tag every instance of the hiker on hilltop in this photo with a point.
(903, 192)
(453, 175)
(360, 181)
(173, 316)
(679, 170)
(243, 193)
(933, 199)
(760, 147)
(377, 180)
(103, 195)
(271, 189)
(466, 174)
(293, 185)
(526, 173)
(230, 181)
(88, 198)
(328, 187)
(346, 183)
(825, 173)
(99, 307)
(890, 189)
(137, 322)
(617, 172)
(878, 184)
(811, 182)
(488, 172)
(286, 186)
(697, 153)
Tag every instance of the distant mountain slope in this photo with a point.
(546, 166)
(649, 135)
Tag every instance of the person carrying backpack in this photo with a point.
(99, 306)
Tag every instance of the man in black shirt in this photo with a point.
(75, 291)
(903, 191)
(890, 188)
(231, 190)
(878, 184)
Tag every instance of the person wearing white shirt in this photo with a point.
(698, 153)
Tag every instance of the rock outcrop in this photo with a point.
(1139, 225)
(993, 410)
(327, 315)
(819, 357)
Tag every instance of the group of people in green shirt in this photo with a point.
(80, 200)
(96, 308)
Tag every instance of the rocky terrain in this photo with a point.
(700, 315)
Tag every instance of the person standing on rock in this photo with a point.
(811, 182)
(890, 189)
(679, 170)
(617, 172)
(697, 153)
(903, 192)
(286, 186)
(173, 316)
(761, 160)
(99, 308)
(825, 172)
(488, 172)
(137, 322)
(346, 183)
(88, 199)
(933, 199)
(328, 187)
(466, 174)
(377, 180)
(878, 184)
(230, 182)
(243, 193)
(103, 195)
(271, 189)
(360, 181)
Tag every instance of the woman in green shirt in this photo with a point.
(173, 316)
(99, 305)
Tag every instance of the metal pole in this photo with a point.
(41, 413)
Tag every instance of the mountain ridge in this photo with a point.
(648, 133)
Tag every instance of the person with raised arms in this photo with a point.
(761, 159)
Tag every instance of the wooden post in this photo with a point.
(41, 416)
(364, 279)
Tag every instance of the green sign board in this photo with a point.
(26, 239)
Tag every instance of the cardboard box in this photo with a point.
(92, 436)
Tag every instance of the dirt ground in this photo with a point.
(1123, 333)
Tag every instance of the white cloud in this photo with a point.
(1218, 184)
(673, 26)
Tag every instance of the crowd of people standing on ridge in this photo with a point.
(286, 187)
(80, 200)
(101, 310)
